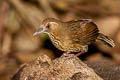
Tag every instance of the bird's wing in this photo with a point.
(84, 32)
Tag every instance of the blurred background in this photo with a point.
(19, 19)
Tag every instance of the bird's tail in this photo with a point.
(106, 40)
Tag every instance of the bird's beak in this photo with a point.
(40, 30)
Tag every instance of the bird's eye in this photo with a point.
(47, 25)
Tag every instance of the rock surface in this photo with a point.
(64, 68)
(106, 69)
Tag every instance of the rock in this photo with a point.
(106, 69)
(64, 68)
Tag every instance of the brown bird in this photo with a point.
(73, 36)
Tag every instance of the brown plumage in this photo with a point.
(73, 36)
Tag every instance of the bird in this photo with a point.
(74, 35)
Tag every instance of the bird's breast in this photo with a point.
(64, 43)
(57, 42)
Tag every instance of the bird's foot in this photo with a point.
(65, 54)
(78, 54)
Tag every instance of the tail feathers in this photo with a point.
(106, 40)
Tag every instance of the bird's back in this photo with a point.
(83, 32)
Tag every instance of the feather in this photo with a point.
(106, 40)
(87, 31)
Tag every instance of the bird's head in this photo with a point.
(48, 25)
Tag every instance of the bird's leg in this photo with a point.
(78, 54)
(66, 53)
(83, 50)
